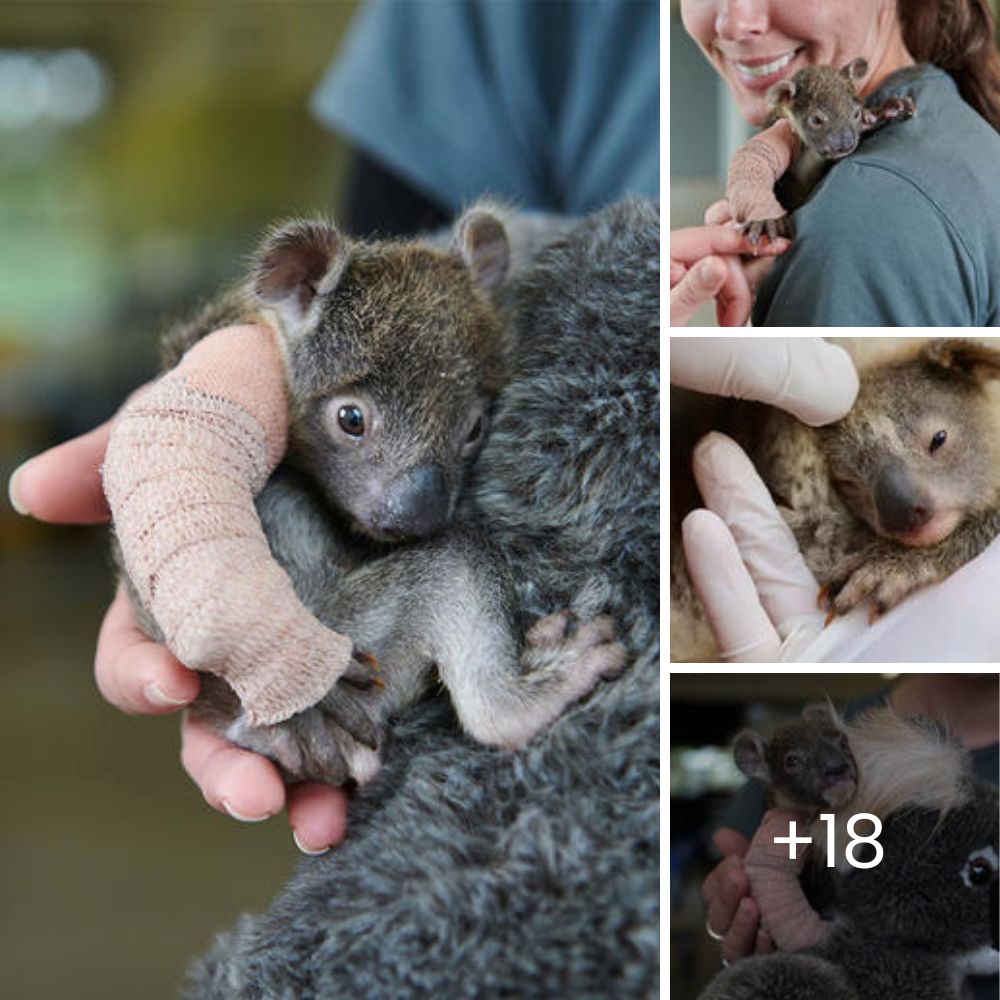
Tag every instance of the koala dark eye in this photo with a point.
(857, 114)
(816, 120)
(939, 439)
(792, 761)
(980, 871)
(351, 420)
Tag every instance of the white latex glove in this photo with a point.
(760, 598)
(811, 379)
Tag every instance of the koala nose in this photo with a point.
(841, 143)
(900, 505)
(836, 768)
(415, 505)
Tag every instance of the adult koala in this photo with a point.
(913, 925)
(472, 872)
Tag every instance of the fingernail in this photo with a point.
(158, 699)
(306, 850)
(244, 819)
(15, 500)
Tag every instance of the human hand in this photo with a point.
(137, 675)
(811, 379)
(733, 916)
(760, 597)
(706, 263)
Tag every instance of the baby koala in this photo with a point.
(807, 764)
(776, 171)
(903, 490)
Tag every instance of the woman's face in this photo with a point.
(755, 43)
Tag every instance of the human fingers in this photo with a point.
(723, 888)
(742, 629)
(318, 815)
(810, 378)
(741, 938)
(692, 244)
(718, 213)
(242, 784)
(134, 673)
(734, 301)
(729, 841)
(732, 489)
(698, 286)
(63, 484)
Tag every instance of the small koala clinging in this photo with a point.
(816, 118)
(806, 764)
(903, 490)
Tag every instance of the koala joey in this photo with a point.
(903, 490)
(394, 352)
(825, 112)
(807, 764)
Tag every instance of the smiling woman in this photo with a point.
(929, 181)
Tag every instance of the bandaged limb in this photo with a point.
(785, 912)
(753, 172)
(185, 460)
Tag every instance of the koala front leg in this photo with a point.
(891, 110)
(884, 572)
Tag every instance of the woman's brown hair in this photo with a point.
(959, 36)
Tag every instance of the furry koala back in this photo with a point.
(471, 872)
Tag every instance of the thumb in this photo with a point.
(697, 287)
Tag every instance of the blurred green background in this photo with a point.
(143, 147)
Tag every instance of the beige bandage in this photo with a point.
(754, 170)
(785, 912)
(185, 459)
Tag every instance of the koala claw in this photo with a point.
(363, 671)
(771, 228)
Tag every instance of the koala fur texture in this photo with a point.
(897, 495)
(472, 872)
(911, 926)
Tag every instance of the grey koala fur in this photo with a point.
(863, 495)
(901, 927)
(404, 337)
(806, 764)
(471, 872)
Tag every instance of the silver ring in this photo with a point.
(711, 933)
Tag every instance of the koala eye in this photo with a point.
(792, 761)
(937, 440)
(981, 868)
(816, 120)
(351, 420)
(857, 114)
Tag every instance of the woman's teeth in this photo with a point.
(772, 67)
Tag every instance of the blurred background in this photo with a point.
(143, 147)
(706, 712)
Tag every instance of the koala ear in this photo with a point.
(781, 94)
(480, 240)
(964, 358)
(748, 752)
(297, 262)
(855, 69)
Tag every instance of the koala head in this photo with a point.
(808, 762)
(394, 353)
(919, 450)
(821, 104)
(935, 888)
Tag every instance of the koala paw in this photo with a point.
(771, 228)
(561, 646)
(333, 741)
(882, 573)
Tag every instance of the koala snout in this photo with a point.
(840, 143)
(900, 505)
(415, 505)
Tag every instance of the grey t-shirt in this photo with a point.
(554, 105)
(906, 230)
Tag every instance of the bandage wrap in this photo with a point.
(754, 170)
(184, 462)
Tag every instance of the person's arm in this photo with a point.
(871, 249)
(136, 675)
